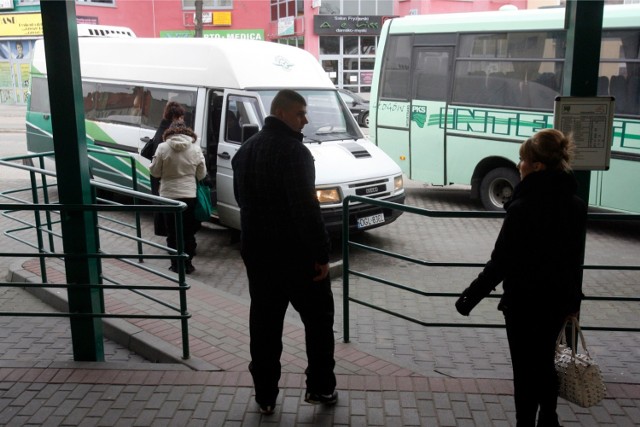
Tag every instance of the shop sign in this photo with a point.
(257, 34)
(347, 25)
(222, 18)
(20, 24)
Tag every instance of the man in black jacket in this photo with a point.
(285, 248)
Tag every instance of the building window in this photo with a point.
(297, 41)
(285, 8)
(208, 4)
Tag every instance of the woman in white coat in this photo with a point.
(179, 163)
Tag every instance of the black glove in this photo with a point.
(467, 301)
(207, 181)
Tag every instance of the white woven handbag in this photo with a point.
(579, 375)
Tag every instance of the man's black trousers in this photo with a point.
(272, 287)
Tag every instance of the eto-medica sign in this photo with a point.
(20, 24)
(589, 120)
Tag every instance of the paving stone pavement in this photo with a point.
(392, 372)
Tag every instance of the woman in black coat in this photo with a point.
(538, 256)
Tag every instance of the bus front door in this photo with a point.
(430, 91)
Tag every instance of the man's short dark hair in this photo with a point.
(285, 98)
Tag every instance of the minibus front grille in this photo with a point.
(368, 183)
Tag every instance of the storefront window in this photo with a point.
(350, 45)
(349, 60)
(329, 45)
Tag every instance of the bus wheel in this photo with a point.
(497, 187)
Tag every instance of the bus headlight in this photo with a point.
(398, 184)
(328, 195)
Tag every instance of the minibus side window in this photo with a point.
(241, 110)
(89, 94)
(119, 104)
(157, 99)
(39, 96)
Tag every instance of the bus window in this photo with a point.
(431, 75)
(522, 70)
(620, 68)
(396, 68)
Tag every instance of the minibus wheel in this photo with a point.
(497, 186)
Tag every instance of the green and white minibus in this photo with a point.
(454, 95)
(226, 87)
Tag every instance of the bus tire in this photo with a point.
(497, 187)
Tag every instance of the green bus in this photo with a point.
(453, 96)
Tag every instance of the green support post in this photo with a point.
(582, 63)
(582, 60)
(79, 229)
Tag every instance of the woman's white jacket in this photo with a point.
(178, 162)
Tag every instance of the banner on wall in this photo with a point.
(14, 70)
(286, 26)
(257, 34)
(20, 25)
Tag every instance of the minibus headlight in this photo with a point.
(328, 195)
(398, 184)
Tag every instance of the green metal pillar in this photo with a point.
(79, 229)
(582, 63)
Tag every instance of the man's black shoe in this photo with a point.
(325, 399)
(267, 409)
(189, 268)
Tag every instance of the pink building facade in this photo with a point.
(342, 34)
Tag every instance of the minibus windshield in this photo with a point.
(328, 119)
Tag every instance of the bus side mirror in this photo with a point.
(248, 130)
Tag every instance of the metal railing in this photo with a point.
(41, 226)
(347, 271)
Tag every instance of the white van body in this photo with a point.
(224, 85)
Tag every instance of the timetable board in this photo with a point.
(589, 120)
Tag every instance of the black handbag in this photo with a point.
(149, 149)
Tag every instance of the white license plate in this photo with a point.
(368, 221)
